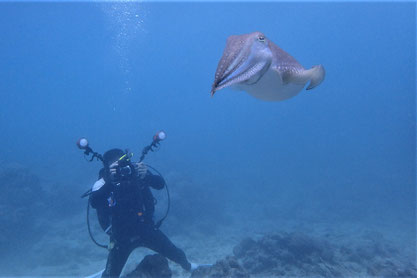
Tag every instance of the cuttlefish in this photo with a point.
(253, 63)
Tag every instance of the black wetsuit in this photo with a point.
(128, 206)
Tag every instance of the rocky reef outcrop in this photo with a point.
(302, 255)
(228, 267)
(299, 254)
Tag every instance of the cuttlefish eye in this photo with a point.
(261, 38)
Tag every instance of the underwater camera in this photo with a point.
(123, 169)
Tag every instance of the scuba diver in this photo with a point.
(125, 208)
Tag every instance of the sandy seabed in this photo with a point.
(67, 251)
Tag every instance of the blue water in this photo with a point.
(118, 72)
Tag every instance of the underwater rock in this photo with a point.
(229, 267)
(272, 254)
(246, 246)
(152, 266)
(298, 254)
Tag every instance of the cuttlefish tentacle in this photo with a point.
(245, 75)
(242, 59)
(233, 56)
(255, 64)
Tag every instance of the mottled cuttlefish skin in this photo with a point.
(253, 63)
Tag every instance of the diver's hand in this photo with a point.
(141, 169)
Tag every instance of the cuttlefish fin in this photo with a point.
(315, 75)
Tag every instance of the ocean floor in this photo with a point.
(66, 249)
(46, 237)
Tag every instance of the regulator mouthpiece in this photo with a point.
(82, 143)
(159, 136)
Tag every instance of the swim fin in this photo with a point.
(96, 275)
(194, 266)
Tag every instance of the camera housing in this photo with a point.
(124, 170)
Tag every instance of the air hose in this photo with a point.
(89, 229)
(159, 223)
